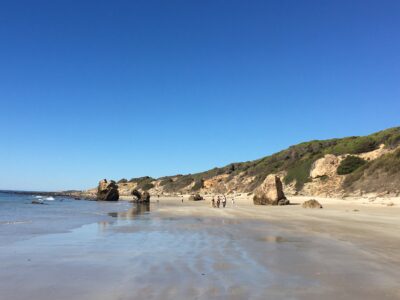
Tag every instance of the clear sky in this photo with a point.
(111, 89)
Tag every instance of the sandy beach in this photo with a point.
(175, 250)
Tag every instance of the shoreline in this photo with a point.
(372, 200)
(189, 250)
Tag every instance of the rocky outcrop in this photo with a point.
(141, 197)
(196, 197)
(324, 180)
(312, 203)
(270, 192)
(107, 191)
(308, 168)
(325, 166)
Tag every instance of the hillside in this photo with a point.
(334, 167)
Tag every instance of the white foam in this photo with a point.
(38, 197)
(49, 198)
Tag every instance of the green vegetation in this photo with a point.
(323, 177)
(199, 184)
(350, 164)
(123, 180)
(179, 183)
(300, 173)
(143, 183)
(147, 186)
(296, 161)
(354, 145)
(380, 172)
(165, 181)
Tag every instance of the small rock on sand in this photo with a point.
(312, 203)
(196, 197)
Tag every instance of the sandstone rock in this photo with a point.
(141, 197)
(107, 191)
(196, 197)
(325, 166)
(325, 180)
(311, 204)
(270, 192)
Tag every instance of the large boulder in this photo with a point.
(107, 191)
(270, 192)
(311, 204)
(196, 197)
(141, 197)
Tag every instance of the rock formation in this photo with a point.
(141, 197)
(270, 192)
(325, 166)
(308, 168)
(196, 197)
(107, 191)
(311, 204)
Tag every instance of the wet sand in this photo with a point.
(189, 250)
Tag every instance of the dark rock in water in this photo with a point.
(107, 191)
(38, 202)
(196, 197)
(145, 197)
(311, 204)
(141, 197)
(270, 192)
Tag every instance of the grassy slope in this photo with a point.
(296, 160)
(382, 174)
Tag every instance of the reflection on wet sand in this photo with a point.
(133, 212)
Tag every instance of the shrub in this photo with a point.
(379, 174)
(323, 177)
(198, 184)
(180, 183)
(165, 181)
(350, 164)
(147, 186)
(145, 183)
(300, 172)
(394, 140)
(123, 180)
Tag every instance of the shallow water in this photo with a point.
(91, 250)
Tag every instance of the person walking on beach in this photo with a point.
(213, 202)
(218, 202)
(224, 202)
(233, 201)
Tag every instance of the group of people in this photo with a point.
(217, 203)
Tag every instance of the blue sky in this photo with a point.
(112, 89)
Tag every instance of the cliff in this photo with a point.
(336, 167)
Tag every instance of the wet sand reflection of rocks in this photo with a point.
(192, 251)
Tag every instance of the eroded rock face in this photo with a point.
(141, 197)
(324, 178)
(196, 197)
(270, 192)
(325, 166)
(311, 204)
(107, 191)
